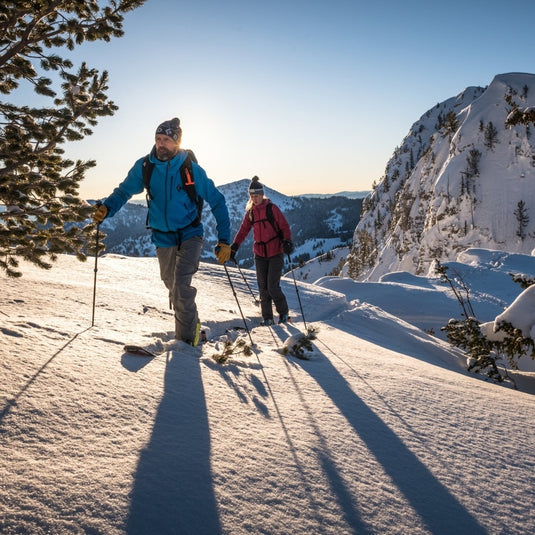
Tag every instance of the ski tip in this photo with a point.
(138, 350)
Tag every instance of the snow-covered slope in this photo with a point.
(455, 182)
(380, 431)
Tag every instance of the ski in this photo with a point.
(138, 350)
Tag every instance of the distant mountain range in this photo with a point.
(318, 223)
(348, 194)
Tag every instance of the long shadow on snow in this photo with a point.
(338, 486)
(439, 510)
(173, 490)
(14, 399)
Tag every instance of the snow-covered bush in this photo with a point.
(493, 346)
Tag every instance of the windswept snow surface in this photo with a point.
(380, 431)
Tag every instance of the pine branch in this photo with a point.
(39, 186)
(231, 349)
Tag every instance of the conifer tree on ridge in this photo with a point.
(39, 198)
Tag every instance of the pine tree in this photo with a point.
(490, 135)
(472, 171)
(522, 217)
(450, 124)
(472, 163)
(362, 255)
(40, 208)
(516, 115)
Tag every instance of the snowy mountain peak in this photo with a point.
(459, 179)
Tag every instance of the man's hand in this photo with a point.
(100, 213)
(222, 252)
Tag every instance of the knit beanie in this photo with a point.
(256, 187)
(171, 129)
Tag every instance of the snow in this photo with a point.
(432, 204)
(381, 430)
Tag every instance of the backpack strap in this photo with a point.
(188, 183)
(146, 169)
(269, 217)
(271, 220)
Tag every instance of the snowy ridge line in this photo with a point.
(465, 182)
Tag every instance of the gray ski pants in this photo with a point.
(177, 267)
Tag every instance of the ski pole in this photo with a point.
(297, 291)
(256, 302)
(95, 277)
(239, 306)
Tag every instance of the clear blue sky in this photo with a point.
(313, 97)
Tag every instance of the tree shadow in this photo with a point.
(14, 400)
(173, 490)
(438, 509)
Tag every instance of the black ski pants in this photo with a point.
(268, 276)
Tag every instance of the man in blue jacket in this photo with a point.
(174, 221)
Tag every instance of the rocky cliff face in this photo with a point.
(459, 179)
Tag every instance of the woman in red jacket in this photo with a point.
(272, 238)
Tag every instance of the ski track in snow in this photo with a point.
(380, 431)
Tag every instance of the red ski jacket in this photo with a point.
(267, 242)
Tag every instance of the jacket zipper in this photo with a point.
(166, 198)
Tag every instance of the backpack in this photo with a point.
(188, 183)
(269, 218)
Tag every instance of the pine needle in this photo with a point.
(233, 348)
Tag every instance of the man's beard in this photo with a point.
(164, 154)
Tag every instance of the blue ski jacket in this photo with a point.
(171, 211)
